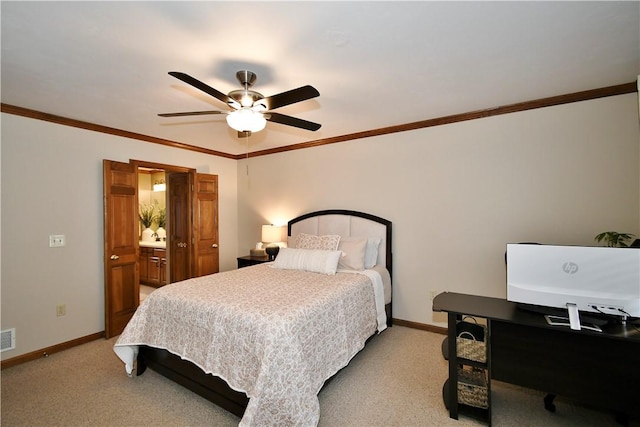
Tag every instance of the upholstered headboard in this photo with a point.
(346, 223)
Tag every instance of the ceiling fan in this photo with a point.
(250, 110)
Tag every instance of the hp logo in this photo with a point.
(570, 267)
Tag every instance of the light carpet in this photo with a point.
(395, 381)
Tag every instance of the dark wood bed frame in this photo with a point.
(213, 388)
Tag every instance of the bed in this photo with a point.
(263, 340)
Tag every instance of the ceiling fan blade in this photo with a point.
(191, 113)
(291, 121)
(290, 97)
(202, 86)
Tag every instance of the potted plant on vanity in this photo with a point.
(161, 218)
(147, 215)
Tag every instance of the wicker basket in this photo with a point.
(469, 348)
(472, 388)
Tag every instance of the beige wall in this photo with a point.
(456, 194)
(52, 184)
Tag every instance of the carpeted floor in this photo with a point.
(395, 381)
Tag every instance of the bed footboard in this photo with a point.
(188, 375)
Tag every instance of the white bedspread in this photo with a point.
(276, 335)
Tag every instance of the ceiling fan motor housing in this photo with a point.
(246, 97)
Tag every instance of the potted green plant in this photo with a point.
(146, 213)
(161, 219)
(613, 239)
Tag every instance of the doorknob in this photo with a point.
(215, 245)
(114, 257)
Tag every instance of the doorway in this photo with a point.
(166, 256)
(191, 245)
(152, 209)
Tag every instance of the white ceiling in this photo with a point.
(375, 64)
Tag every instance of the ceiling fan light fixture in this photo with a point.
(246, 120)
(246, 101)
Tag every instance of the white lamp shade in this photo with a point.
(271, 234)
(246, 120)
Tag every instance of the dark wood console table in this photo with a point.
(596, 368)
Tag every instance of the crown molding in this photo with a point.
(586, 95)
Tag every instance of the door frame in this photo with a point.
(134, 166)
(170, 169)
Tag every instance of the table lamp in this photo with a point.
(272, 235)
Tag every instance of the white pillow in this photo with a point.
(327, 242)
(314, 260)
(371, 253)
(353, 250)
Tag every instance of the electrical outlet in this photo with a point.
(61, 310)
(56, 240)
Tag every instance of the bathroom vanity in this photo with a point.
(153, 263)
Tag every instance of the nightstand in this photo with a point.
(246, 261)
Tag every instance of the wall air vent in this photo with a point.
(8, 339)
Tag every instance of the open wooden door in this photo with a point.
(205, 211)
(180, 229)
(121, 285)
